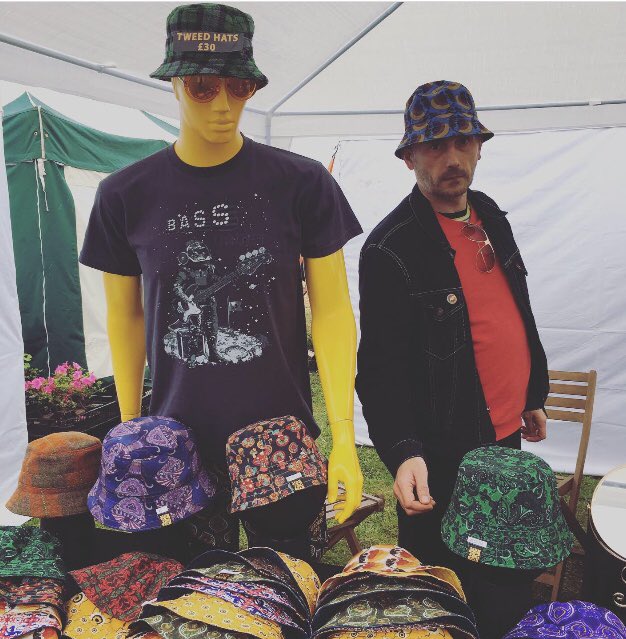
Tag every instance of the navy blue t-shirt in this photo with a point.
(218, 250)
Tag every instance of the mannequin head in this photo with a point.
(213, 122)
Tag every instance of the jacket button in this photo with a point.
(452, 298)
(439, 312)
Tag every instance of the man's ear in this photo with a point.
(408, 159)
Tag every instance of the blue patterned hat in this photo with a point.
(570, 620)
(438, 110)
(150, 476)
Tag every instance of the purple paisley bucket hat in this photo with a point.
(569, 620)
(150, 476)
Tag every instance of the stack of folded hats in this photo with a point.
(32, 578)
(104, 599)
(257, 592)
(570, 620)
(385, 592)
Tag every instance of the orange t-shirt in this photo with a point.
(498, 332)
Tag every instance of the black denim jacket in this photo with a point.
(417, 377)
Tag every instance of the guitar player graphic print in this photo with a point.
(195, 337)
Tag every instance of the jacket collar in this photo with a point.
(493, 219)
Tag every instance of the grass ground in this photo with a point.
(381, 528)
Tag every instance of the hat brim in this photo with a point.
(102, 505)
(48, 503)
(505, 549)
(217, 65)
(411, 138)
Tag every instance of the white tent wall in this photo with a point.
(12, 407)
(562, 189)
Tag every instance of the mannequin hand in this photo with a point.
(412, 479)
(343, 466)
(534, 428)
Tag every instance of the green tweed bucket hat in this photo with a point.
(505, 511)
(209, 39)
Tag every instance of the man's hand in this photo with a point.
(534, 428)
(412, 478)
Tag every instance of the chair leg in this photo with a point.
(556, 586)
(353, 542)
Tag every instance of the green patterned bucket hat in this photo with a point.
(505, 511)
(209, 39)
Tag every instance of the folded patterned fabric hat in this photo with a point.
(20, 620)
(253, 598)
(26, 551)
(364, 582)
(391, 561)
(439, 110)
(401, 632)
(297, 570)
(120, 586)
(216, 613)
(505, 511)
(212, 39)
(389, 610)
(237, 572)
(85, 619)
(227, 566)
(570, 620)
(270, 460)
(167, 625)
(33, 590)
(150, 476)
(450, 603)
(57, 472)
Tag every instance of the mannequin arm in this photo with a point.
(334, 339)
(125, 327)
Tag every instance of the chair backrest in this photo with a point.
(571, 400)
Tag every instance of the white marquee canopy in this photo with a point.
(508, 53)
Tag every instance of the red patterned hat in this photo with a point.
(270, 460)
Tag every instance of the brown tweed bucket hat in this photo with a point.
(57, 473)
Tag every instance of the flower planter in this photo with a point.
(96, 419)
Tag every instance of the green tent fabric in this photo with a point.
(39, 143)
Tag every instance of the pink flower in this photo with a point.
(26, 386)
(38, 382)
(61, 369)
(89, 381)
(77, 375)
(77, 384)
(76, 366)
(49, 387)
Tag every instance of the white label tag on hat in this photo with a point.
(477, 542)
(294, 477)
(227, 572)
(162, 510)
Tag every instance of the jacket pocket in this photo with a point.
(444, 321)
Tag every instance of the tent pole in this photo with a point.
(268, 128)
(336, 55)
(93, 66)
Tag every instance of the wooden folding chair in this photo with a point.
(570, 400)
(369, 505)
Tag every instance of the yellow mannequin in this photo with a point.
(209, 135)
